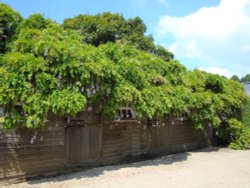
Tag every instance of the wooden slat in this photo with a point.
(26, 152)
(55, 147)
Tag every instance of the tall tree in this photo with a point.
(108, 27)
(9, 22)
(235, 78)
(246, 78)
(36, 21)
(98, 29)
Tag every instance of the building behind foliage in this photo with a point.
(88, 140)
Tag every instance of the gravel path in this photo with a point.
(215, 167)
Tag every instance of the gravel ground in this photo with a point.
(214, 167)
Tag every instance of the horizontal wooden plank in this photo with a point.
(31, 141)
(30, 131)
(113, 160)
(28, 148)
(30, 163)
(35, 160)
(26, 136)
(31, 145)
(41, 170)
(28, 156)
(120, 141)
(114, 151)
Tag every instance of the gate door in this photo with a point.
(83, 145)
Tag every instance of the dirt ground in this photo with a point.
(214, 167)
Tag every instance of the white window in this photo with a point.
(126, 113)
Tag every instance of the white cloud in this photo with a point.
(215, 36)
(217, 70)
(246, 48)
(139, 3)
(163, 2)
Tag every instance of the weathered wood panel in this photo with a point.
(83, 139)
(127, 139)
(83, 145)
(140, 139)
(115, 143)
(28, 152)
(184, 137)
(86, 141)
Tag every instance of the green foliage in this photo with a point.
(98, 29)
(52, 68)
(36, 21)
(9, 22)
(235, 134)
(214, 83)
(42, 74)
(245, 78)
(243, 141)
(154, 102)
(235, 78)
(107, 27)
(246, 115)
(34, 109)
(235, 128)
(240, 135)
(161, 52)
(67, 101)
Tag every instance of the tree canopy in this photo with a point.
(61, 68)
(108, 27)
(244, 79)
(235, 78)
(9, 22)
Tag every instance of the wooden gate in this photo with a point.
(83, 145)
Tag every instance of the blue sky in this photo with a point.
(211, 35)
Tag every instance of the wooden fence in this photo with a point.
(90, 142)
(31, 152)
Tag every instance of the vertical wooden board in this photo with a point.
(94, 145)
(159, 140)
(67, 146)
(71, 149)
(74, 145)
(145, 140)
(100, 141)
(164, 139)
(68, 138)
(153, 139)
(134, 136)
(85, 149)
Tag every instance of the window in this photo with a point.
(182, 117)
(126, 113)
